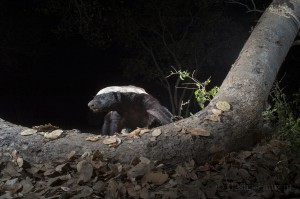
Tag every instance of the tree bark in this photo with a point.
(245, 88)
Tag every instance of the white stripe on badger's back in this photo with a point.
(122, 89)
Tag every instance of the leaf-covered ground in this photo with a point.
(264, 172)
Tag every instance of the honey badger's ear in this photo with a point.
(161, 114)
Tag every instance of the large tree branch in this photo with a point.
(245, 88)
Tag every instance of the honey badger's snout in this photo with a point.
(92, 105)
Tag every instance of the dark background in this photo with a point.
(49, 76)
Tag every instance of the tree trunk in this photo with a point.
(245, 88)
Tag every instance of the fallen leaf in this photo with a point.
(11, 182)
(216, 111)
(49, 172)
(112, 189)
(277, 143)
(213, 117)
(144, 193)
(66, 189)
(27, 186)
(244, 174)
(297, 180)
(170, 195)
(156, 132)
(86, 154)
(180, 171)
(232, 174)
(12, 186)
(145, 160)
(10, 171)
(116, 143)
(54, 134)
(85, 192)
(211, 189)
(20, 162)
(115, 168)
(134, 132)
(124, 132)
(110, 140)
(139, 170)
(190, 165)
(93, 138)
(14, 154)
(97, 155)
(71, 155)
(204, 167)
(65, 177)
(216, 149)
(157, 178)
(245, 154)
(97, 164)
(131, 192)
(199, 131)
(171, 183)
(85, 170)
(143, 131)
(61, 167)
(28, 132)
(223, 105)
(99, 186)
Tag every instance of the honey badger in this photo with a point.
(128, 107)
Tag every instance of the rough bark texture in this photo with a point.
(245, 88)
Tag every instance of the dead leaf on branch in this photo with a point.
(143, 131)
(93, 138)
(213, 117)
(54, 134)
(199, 131)
(223, 105)
(216, 111)
(112, 141)
(138, 131)
(28, 132)
(156, 132)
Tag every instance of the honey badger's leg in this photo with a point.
(161, 114)
(112, 123)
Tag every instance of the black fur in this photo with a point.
(129, 110)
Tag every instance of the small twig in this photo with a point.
(186, 87)
(246, 6)
(183, 104)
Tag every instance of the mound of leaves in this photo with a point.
(247, 174)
